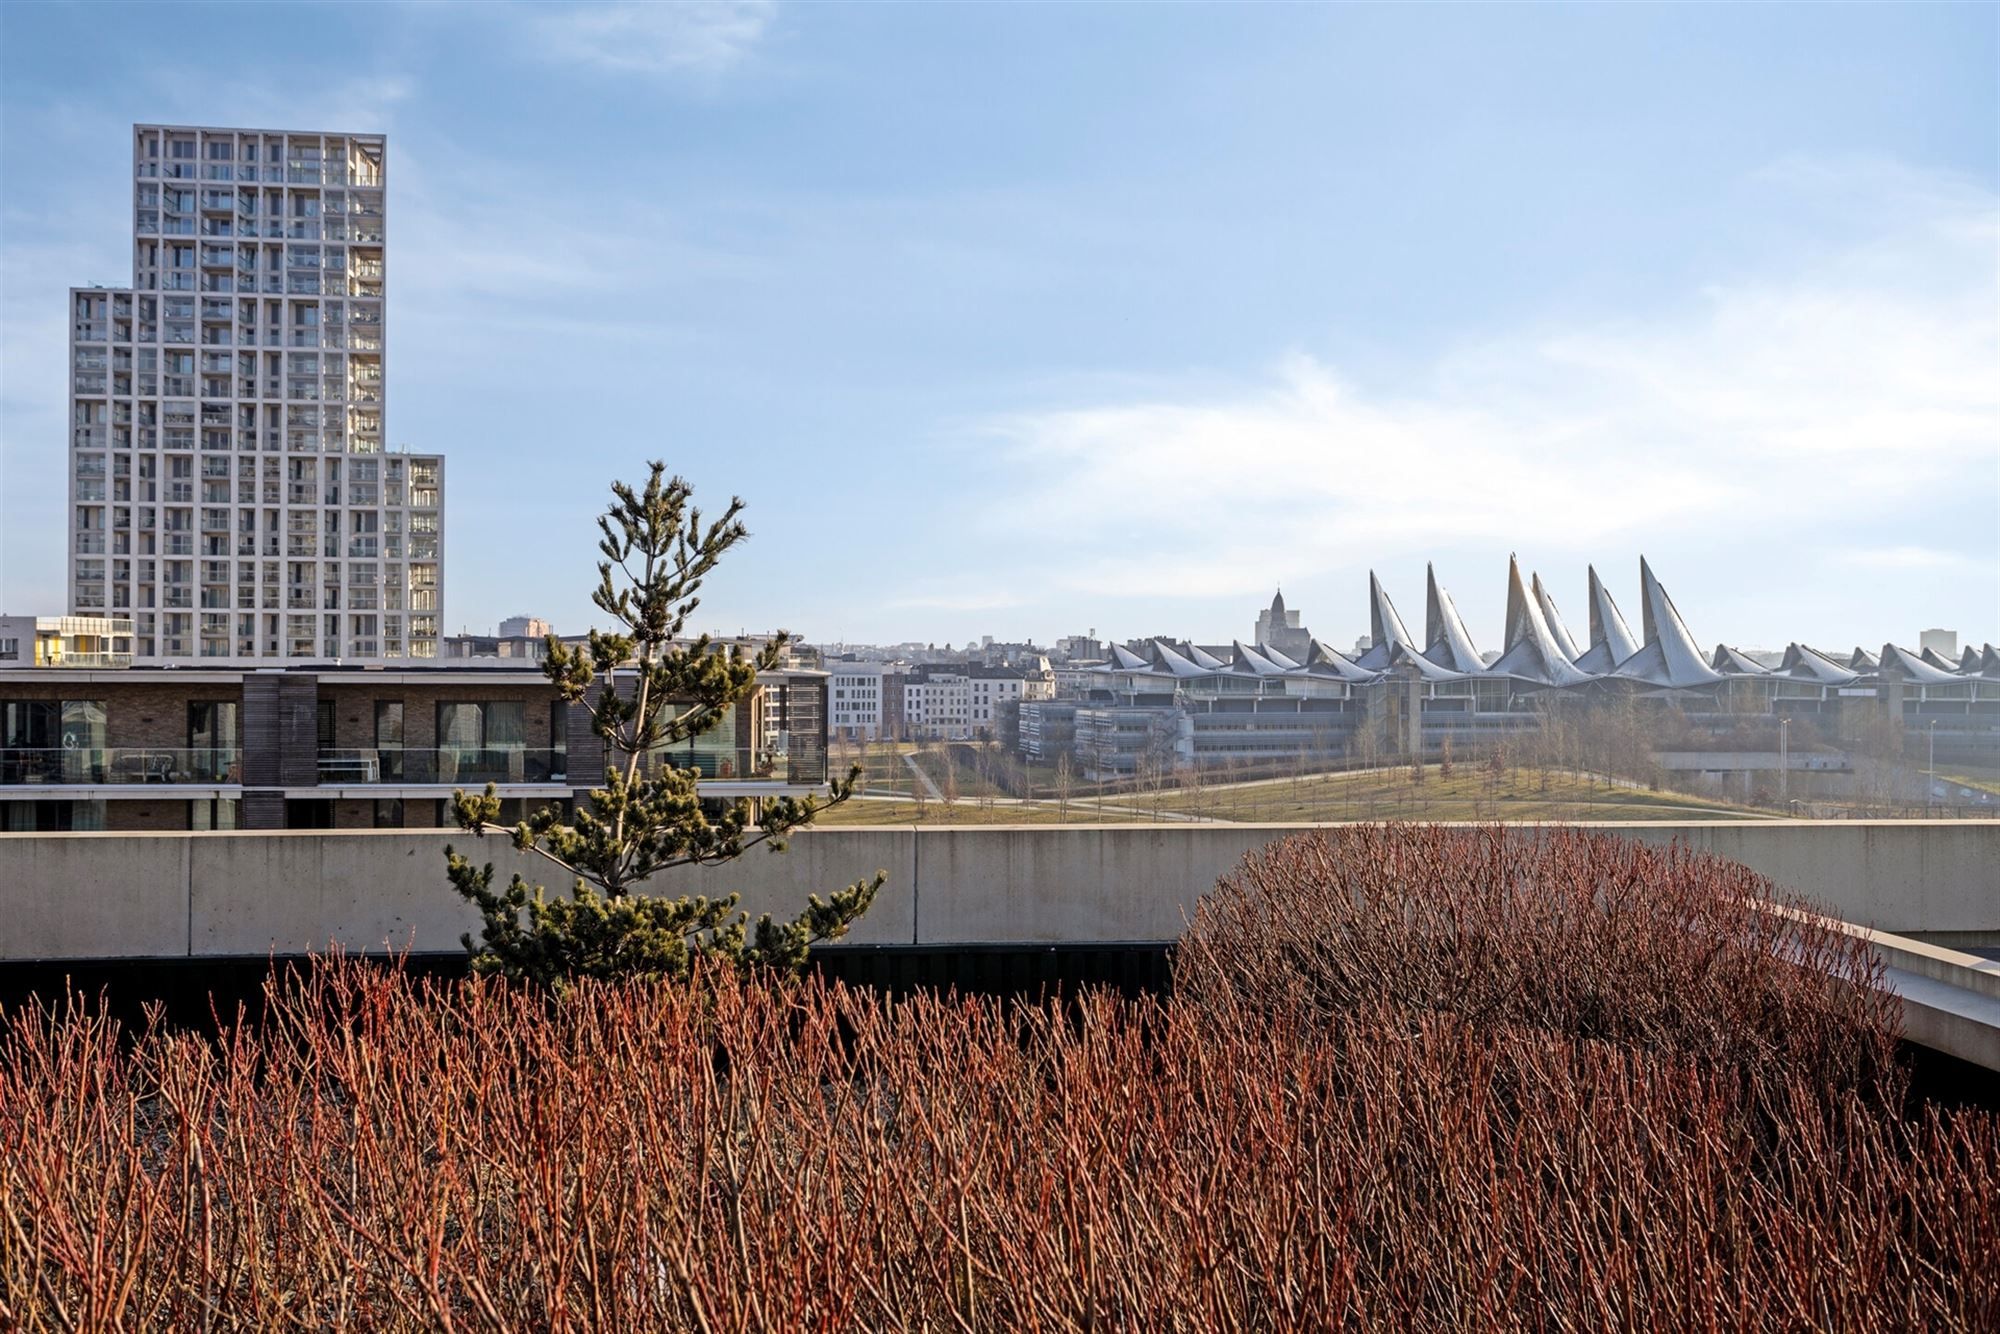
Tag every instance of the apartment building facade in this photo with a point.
(230, 490)
(854, 696)
(960, 703)
(351, 747)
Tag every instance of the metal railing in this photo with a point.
(22, 766)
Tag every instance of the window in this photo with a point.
(29, 817)
(487, 725)
(388, 812)
(482, 742)
(214, 813)
(325, 727)
(211, 724)
(389, 741)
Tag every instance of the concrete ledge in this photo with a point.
(177, 895)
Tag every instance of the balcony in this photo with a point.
(37, 766)
(445, 765)
(795, 759)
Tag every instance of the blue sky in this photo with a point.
(1025, 319)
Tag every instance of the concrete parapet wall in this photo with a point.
(212, 895)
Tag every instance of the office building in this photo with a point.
(230, 488)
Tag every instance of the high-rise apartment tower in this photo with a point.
(229, 486)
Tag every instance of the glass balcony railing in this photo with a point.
(792, 759)
(456, 765)
(27, 766)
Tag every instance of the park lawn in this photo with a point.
(1468, 794)
(935, 814)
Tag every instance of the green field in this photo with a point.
(1380, 794)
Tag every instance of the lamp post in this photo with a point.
(1930, 779)
(1784, 759)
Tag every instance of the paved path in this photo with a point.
(910, 759)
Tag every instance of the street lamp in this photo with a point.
(1930, 779)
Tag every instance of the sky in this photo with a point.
(1024, 320)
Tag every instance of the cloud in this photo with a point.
(1860, 384)
(695, 37)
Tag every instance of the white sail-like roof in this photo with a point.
(1384, 626)
(1938, 660)
(1204, 658)
(1669, 656)
(1554, 618)
(1861, 660)
(1735, 662)
(1402, 656)
(1533, 652)
(1173, 662)
(1982, 661)
(1282, 659)
(1611, 639)
(1124, 659)
(1446, 640)
(1911, 667)
(1323, 660)
(1809, 664)
(1256, 663)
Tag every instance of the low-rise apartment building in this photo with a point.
(191, 748)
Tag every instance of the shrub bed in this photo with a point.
(1407, 1078)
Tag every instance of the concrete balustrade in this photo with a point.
(220, 895)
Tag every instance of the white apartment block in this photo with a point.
(854, 699)
(958, 704)
(229, 488)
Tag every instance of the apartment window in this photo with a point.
(389, 739)
(50, 817)
(325, 724)
(213, 813)
(487, 725)
(388, 812)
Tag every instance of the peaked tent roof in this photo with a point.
(1554, 619)
(1938, 660)
(1735, 662)
(1284, 660)
(1912, 667)
(1171, 661)
(1446, 640)
(1533, 652)
(1404, 655)
(1323, 660)
(1861, 660)
(1384, 626)
(1124, 659)
(1669, 657)
(1256, 663)
(1204, 658)
(1611, 641)
(1809, 664)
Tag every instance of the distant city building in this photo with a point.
(854, 698)
(229, 489)
(1084, 646)
(65, 641)
(959, 703)
(525, 627)
(1280, 628)
(1165, 704)
(1944, 643)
